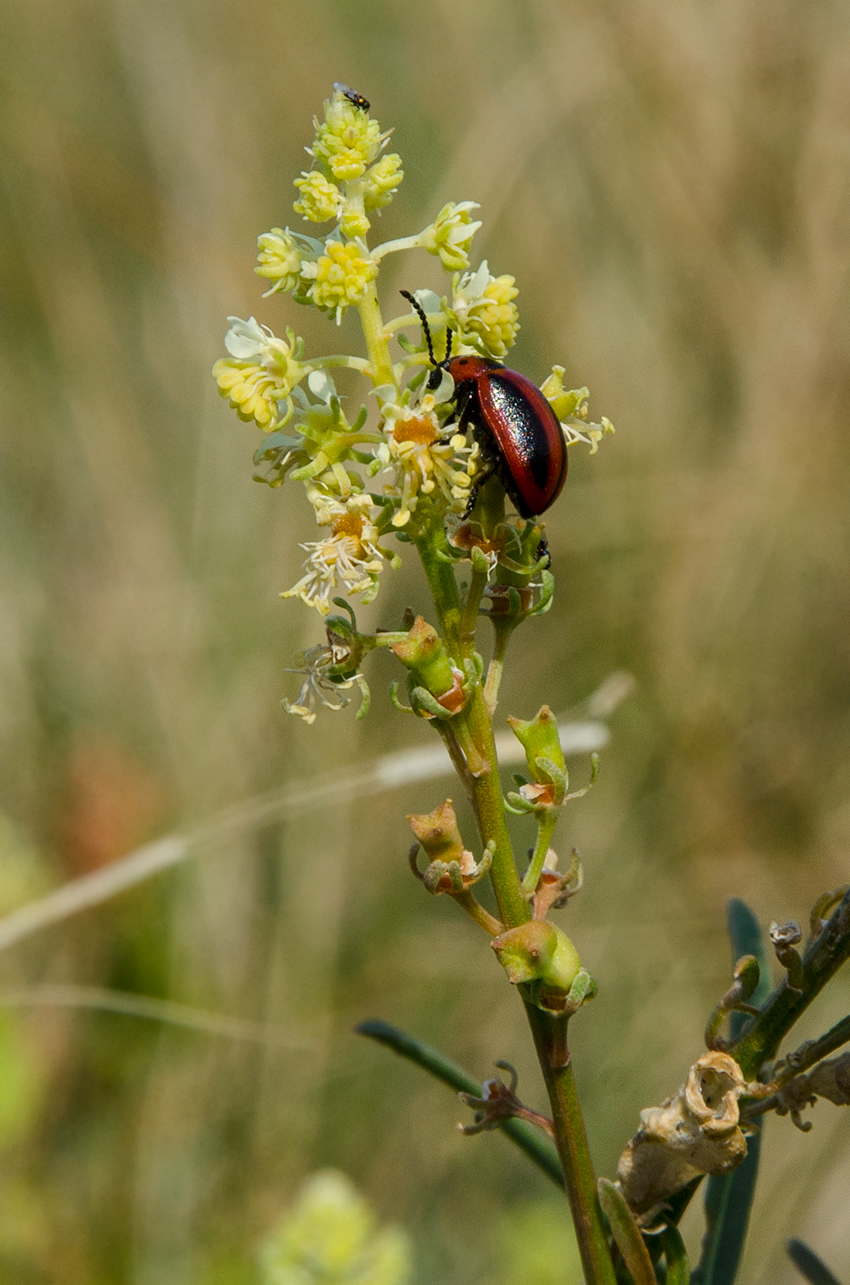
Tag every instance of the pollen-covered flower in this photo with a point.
(260, 373)
(340, 276)
(348, 556)
(348, 140)
(483, 308)
(320, 199)
(424, 461)
(450, 235)
(279, 259)
(319, 686)
(381, 181)
(570, 405)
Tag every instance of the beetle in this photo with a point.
(520, 437)
(352, 96)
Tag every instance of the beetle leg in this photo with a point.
(464, 410)
(488, 468)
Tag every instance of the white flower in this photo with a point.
(423, 461)
(348, 556)
(318, 688)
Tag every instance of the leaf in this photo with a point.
(525, 1136)
(626, 1233)
(728, 1199)
(678, 1267)
(812, 1268)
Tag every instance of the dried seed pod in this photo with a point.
(696, 1131)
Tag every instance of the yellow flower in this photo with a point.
(353, 221)
(279, 260)
(381, 181)
(483, 309)
(450, 235)
(348, 140)
(260, 373)
(564, 401)
(570, 405)
(341, 276)
(320, 199)
(249, 389)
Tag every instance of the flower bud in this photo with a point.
(320, 199)
(540, 739)
(450, 235)
(279, 259)
(438, 833)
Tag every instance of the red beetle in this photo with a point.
(519, 434)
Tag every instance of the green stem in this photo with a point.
(490, 810)
(821, 960)
(549, 1031)
(469, 622)
(392, 247)
(470, 903)
(337, 359)
(474, 722)
(476, 759)
(496, 667)
(371, 642)
(377, 343)
(545, 829)
(441, 581)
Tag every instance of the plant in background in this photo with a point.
(444, 435)
(329, 1237)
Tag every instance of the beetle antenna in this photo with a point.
(449, 337)
(418, 308)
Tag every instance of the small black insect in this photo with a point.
(352, 95)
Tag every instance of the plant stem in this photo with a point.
(470, 903)
(496, 667)
(821, 960)
(545, 830)
(490, 811)
(469, 623)
(550, 1034)
(485, 788)
(377, 343)
(441, 581)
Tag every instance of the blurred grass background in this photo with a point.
(669, 185)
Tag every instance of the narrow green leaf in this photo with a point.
(728, 1199)
(810, 1267)
(676, 1257)
(626, 1233)
(525, 1136)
